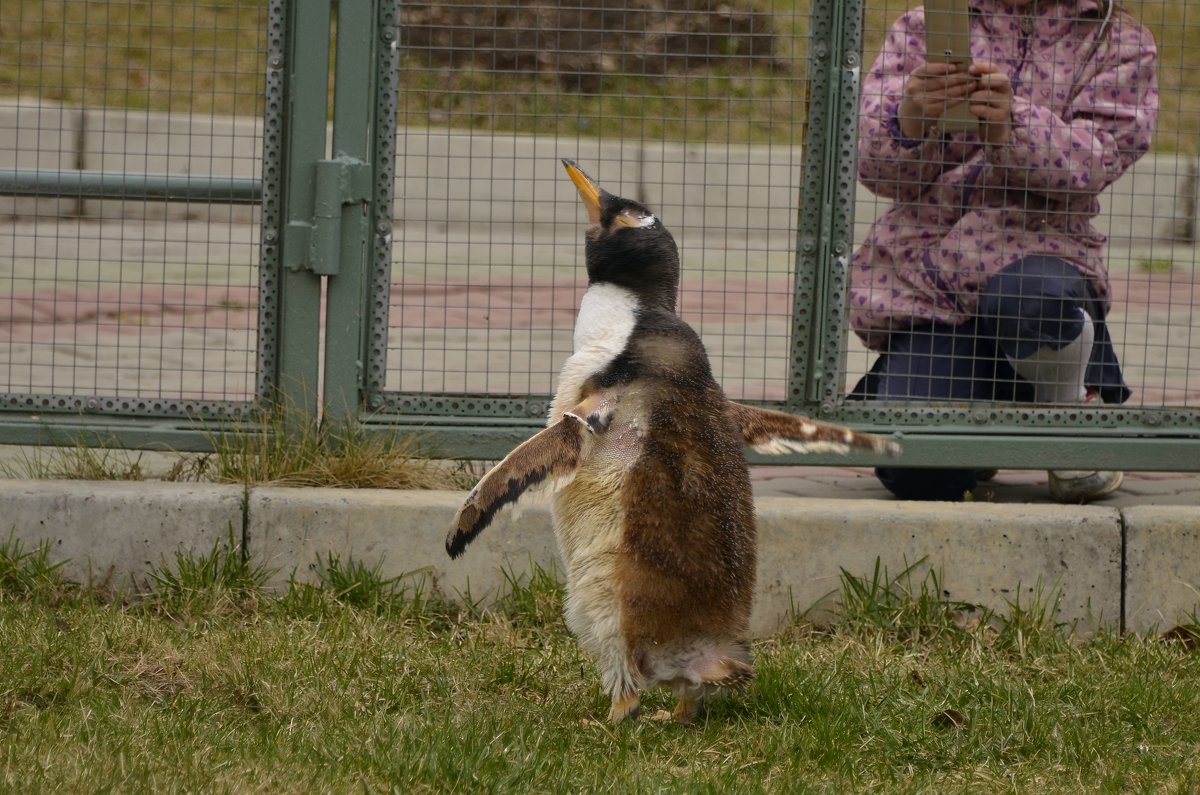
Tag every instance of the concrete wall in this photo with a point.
(458, 177)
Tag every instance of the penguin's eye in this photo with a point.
(636, 220)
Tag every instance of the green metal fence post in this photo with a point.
(826, 206)
(376, 308)
(306, 65)
(828, 336)
(363, 113)
(353, 128)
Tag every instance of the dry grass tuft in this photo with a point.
(270, 453)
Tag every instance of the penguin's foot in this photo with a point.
(625, 707)
(687, 710)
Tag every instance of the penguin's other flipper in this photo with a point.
(552, 454)
(775, 432)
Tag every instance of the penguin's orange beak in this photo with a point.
(588, 190)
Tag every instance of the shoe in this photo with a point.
(1077, 486)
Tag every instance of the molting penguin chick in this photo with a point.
(652, 509)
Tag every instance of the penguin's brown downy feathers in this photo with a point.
(774, 432)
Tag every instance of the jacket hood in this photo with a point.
(989, 10)
(1043, 6)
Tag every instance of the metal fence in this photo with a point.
(359, 208)
(131, 154)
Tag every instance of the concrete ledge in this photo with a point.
(290, 529)
(983, 553)
(111, 532)
(1162, 566)
(989, 554)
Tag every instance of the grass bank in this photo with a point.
(202, 682)
(210, 58)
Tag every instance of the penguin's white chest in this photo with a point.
(607, 316)
(588, 513)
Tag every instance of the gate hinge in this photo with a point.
(314, 245)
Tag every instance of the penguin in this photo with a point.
(652, 505)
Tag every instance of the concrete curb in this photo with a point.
(1162, 565)
(110, 532)
(1132, 567)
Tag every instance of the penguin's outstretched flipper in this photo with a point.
(551, 455)
(774, 432)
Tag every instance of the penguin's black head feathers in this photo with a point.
(627, 245)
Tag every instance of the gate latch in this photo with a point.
(315, 245)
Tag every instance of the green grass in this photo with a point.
(176, 56)
(222, 577)
(899, 607)
(305, 691)
(209, 58)
(354, 584)
(1155, 265)
(29, 573)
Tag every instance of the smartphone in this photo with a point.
(948, 40)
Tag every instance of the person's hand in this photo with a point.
(991, 102)
(928, 92)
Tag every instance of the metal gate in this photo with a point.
(167, 266)
(420, 260)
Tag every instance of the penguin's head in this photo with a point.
(627, 245)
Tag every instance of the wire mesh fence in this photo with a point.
(703, 110)
(109, 298)
(706, 124)
(697, 109)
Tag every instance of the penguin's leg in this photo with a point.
(593, 614)
(622, 683)
(625, 706)
(691, 699)
(712, 675)
(775, 433)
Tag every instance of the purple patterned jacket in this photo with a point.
(962, 210)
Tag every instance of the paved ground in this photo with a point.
(162, 308)
(1009, 486)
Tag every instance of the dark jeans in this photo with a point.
(1031, 303)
